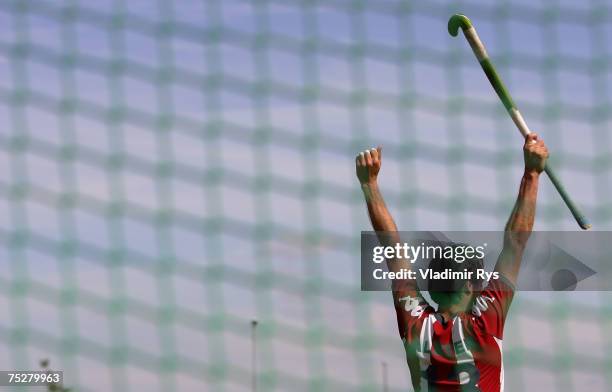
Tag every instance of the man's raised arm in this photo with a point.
(367, 166)
(521, 219)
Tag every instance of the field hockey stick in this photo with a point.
(479, 50)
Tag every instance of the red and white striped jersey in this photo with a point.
(462, 354)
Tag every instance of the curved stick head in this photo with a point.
(457, 21)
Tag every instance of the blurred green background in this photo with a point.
(170, 171)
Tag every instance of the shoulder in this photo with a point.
(500, 289)
(490, 308)
(415, 306)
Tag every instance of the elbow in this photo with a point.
(516, 240)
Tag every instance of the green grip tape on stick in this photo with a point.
(461, 21)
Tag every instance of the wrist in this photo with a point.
(530, 173)
(369, 184)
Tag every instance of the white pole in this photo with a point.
(254, 355)
(385, 380)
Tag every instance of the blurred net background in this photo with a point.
(170, 171)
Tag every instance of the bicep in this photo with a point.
(509, 263)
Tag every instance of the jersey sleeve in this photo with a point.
(411, 310)
(493, 304)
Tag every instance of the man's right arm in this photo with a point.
(368, 165)
(408, 315)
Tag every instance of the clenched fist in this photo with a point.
(368, 165)
(535, 153)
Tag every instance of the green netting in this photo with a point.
(170, 171)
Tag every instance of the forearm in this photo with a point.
(377, 210)
(519, 227)
(523, 214)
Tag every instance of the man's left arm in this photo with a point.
(520, 223)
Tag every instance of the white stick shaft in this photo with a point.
(475, 43)
(519, 121)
